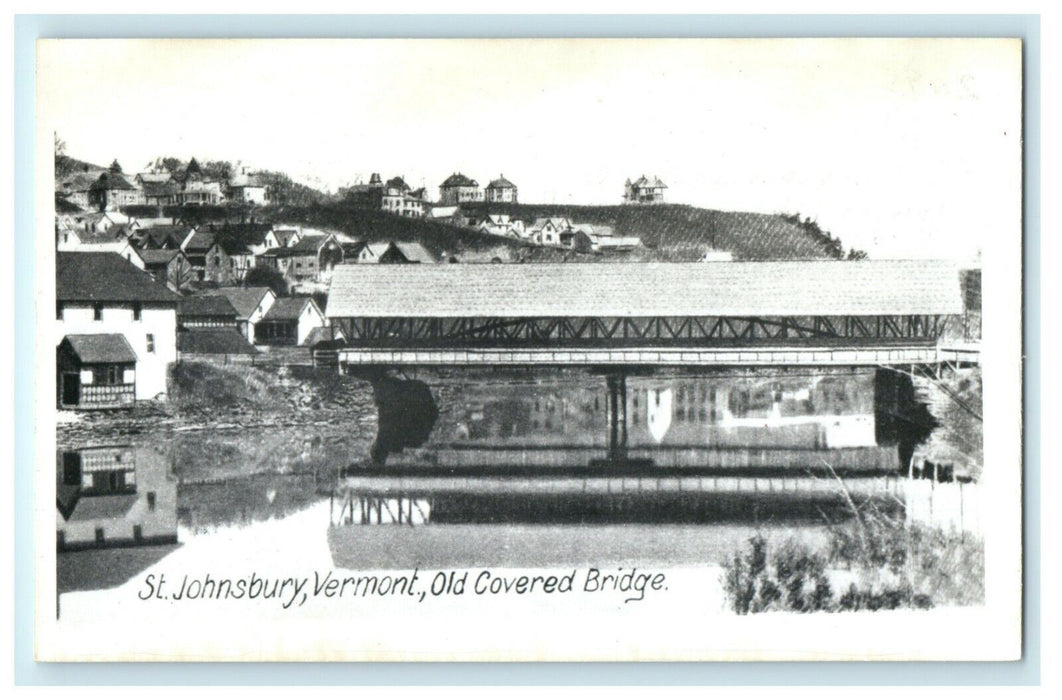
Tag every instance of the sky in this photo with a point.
(904, 148)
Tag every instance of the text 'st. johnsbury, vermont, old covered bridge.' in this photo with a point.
(747, 313)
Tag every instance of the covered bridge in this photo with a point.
(696, 313)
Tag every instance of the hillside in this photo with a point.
(374, 225)
(679, 231)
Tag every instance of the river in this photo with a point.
(511, 468)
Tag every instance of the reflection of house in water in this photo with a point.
(800, 412)
(529, 414)
(116, 515)
(114, 497)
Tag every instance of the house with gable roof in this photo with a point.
(248, 188)
(122, 326)
(548, 230)
(289, 321)
(111, 191)
(644, 190)
(251, 304)
(311, 258)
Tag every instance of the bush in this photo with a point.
(795, 580)
(895, 565)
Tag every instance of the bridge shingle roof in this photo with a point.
(805, 288)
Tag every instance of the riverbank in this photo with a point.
(227, 398)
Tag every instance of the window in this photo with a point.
(107, 375)
(217, 261)
(136, 312)
(151, 500)
(151, 343)
(97, 312)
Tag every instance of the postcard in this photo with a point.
(537, 349)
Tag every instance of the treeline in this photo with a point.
(282, 189)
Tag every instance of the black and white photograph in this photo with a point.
(529, 349)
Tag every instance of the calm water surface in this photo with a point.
(520, 468)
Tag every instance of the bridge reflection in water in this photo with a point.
(534, 450)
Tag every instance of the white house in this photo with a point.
(107, 308)
(289, 321)
(500, 190)
(251, 304)
(501, 225)
(248, 189)
(548, 230)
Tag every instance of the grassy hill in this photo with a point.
(679, 231)
(374, 225)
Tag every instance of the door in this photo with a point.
(71, 389)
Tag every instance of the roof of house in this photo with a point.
(244, 299)
(397, 183)
(500, 183)
(112, 181)
(284, 235)
(78, 182)
(234, 247)
(152, 256)
(813, 288)
(101, 347)
(413, 251)
(65, 206)
(287, 308)
(310, 243)
(158, 236)
(154, 178)
(106, 507)
(157, 189)
(207, 306)
(214, 341)
(246, 180)
(201, 241)
(106, 277)
(558, 222)
(459, 180)
(644, 181)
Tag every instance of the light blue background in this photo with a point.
(30, 27)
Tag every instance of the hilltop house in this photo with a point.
(247, 189)
(161, 194)
(501, 190)
(111, 191)
(394, 196)
(251, 304)
(75, 188)
(458, 189)
(121, 328)
(644, 191)
(289, 321)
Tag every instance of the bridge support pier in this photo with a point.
(616, 406)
